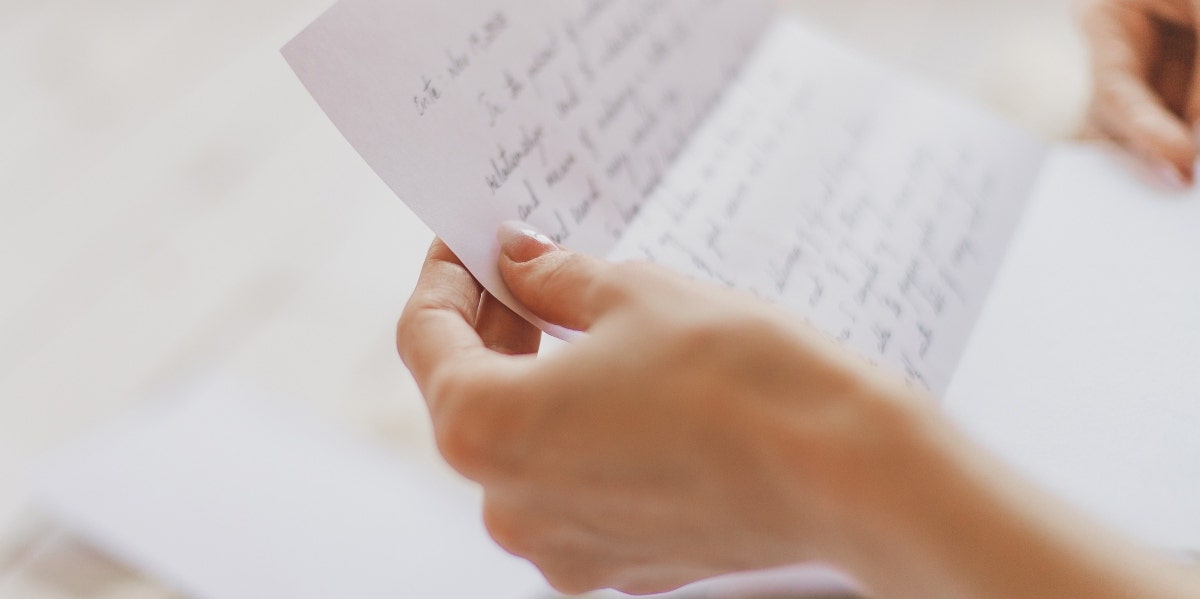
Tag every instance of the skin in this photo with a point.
(1146, 95)
(695, 431)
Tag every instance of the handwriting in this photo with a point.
(430, 94)
(607, 70)
(506, 161)
(568, 115)
(674, 131)
(799, 190)
(459, 61)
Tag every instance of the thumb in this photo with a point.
(560, 286)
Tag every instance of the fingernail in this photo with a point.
(522, 243)
(1170, 176)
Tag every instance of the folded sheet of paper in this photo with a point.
(222, 493)
(692, 133)
(759, 154)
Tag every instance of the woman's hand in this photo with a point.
(696, 432)
(693, 432)
(1147, 93)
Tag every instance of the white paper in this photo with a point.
(877, 209)
(1084, 370)
(563, 114)
(221, 494)
(873, 207)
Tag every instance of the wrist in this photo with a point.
(853, 462)
(927, 513)
(902, 492)
(879, 477)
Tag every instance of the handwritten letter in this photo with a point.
(877, 210)
(561, 113)
(688, 133)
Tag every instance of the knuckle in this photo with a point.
(733, 344)
(707, 330)
(507, 528)
(571, 579)
(420, 312)
(404, 327)
(608, 290)
(640, 588)
(562, 583)
(566, 271)
(571, 570)
(460, 448)
(637, 272)
(477, 423)
(462, 429)
(719, 328)
(401, 338)
(618, 284)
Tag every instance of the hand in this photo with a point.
(696, 432)
(693, 432)
(1147, 92)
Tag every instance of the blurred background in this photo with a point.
(173, 203)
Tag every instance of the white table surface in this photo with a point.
(173, 203)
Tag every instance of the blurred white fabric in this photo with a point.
(173, 202)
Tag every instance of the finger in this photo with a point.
(505, 331)
(436, 330)
(1091, 132)
(1127, 106)
(562, 287)
(1172, 76)
(1175, 12)
(1193, 96)
(1134, 116)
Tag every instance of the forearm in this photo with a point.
(955, 522)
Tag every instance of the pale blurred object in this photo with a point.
(242, 499)
(171, 201)
(1081, 372)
